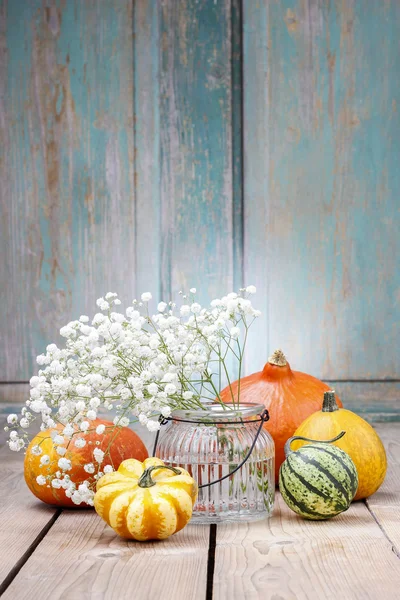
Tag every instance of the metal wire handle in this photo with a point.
(264, 417)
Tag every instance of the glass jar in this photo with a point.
(210, 444)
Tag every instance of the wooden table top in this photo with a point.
(49, 553)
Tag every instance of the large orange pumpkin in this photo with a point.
(123, 442)
(290, 397)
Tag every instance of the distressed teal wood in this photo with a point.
(147, 146)
(121, 162)
(67, 167)
(196, 147)
(321, 183)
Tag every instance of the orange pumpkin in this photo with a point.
(123, 442)
(290, 397)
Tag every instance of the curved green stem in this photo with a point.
(287, 449)
(146, 480)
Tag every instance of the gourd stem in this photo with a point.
(287, 449)
(329, 404)
(278, 359)
(146, 480)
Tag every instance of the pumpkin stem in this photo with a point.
(146, 480)
(287, 449)
(278, 359)
(329, 404)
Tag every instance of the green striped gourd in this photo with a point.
(317, 481)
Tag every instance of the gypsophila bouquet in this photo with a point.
(138, 365)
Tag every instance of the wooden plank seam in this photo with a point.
(28, 553)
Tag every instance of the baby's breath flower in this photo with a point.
(235, 332)
(80, 442)
(65, 464)
(41, 480)
(89, 468)
(98, 455)
(138, 364)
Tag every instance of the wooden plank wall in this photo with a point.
(163, 145)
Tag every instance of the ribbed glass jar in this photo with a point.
(212, 445)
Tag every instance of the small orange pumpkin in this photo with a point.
(124, 444)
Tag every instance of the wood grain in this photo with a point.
(385, 503)
(375, 401)
(290, 558)
(196, 147)
(321, 183)
(146, 100)
(66, 159)
(22, 517)
(81, 557)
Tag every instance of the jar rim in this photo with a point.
(217, 411)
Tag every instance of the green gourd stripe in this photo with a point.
(317, 465)
(310, 487)
(303, 507)
(341, 461)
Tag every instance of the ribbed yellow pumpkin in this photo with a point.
(146, 501)
(361, 442)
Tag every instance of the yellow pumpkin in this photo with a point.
(361, 442)
(146, 501)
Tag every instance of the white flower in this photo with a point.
(34, 381)
(61, 450)
(89, 468)
(45, 459)
(143, 419)
(84, 426)
(153, 425)
(193, 290)
(98, 455)
(251, 289)
(68, 430)
(108, 469)
(91, 415)
(102, 304)
(56, 483)
(152, 388)
(84, 319)
(187, 395)
(58, 439)
(195, 308)
(16, 445)
(121, 421)
(80, 442)
(24, 423)
(170, 389)
(185, 310)
(65, 464)
(235, 332)
(111, 295)
(100, 429)
(162, 306)
(12, 419)
(41, 480)
(146, 297)
(36, 450)
(166, 411)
